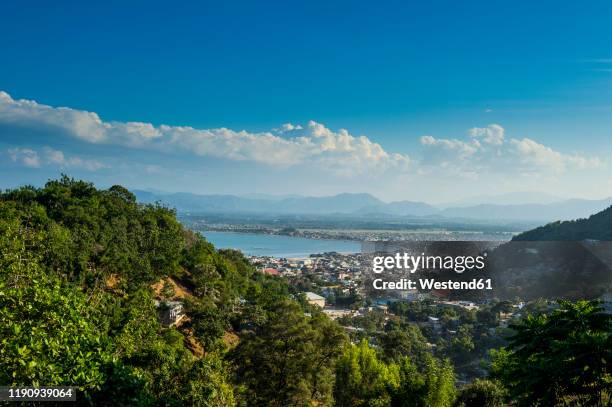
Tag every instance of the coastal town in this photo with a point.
(327, 276)
(334, 284)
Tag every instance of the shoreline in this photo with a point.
(363, 235)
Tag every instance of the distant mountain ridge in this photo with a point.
(363, 205)
(510, 198)
(186, 202)
(401, 208)
(567, 209)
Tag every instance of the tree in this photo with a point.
(462, 345)
(207, 321)
(481, 393)
(362, 379)
(285, 360)
(432, 385)
(400, 342)
(557, 358)
(208, 384)
(329, 341)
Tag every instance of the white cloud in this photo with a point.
(48, 156)
(489, 151)
(24, 156)
(56, 157)
(290, 127)
(536, 156)
(462, 148)
(492, 134)
(339, 152)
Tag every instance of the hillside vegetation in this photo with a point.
(77, 307)
(597, 226)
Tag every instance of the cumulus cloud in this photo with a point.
(537, 155)
(57, 157)
(487, 150)
(24, 156)
(338, 151)
(462, 148)
(48, 156)
(289, 127)
(492, 134)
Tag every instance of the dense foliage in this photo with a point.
(481, 393)
(288, 358)
(559, 358)
(76, 304)
(363, 379)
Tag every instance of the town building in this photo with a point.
(315, 299)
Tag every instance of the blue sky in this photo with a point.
(394, 73)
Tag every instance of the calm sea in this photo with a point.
(277, 245)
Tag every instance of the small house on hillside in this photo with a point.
(171, 312)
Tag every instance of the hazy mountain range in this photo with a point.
(510, 198)
(363, 205)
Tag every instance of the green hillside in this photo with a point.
(597, 226)
(77, 306)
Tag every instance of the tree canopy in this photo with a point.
(560, 357)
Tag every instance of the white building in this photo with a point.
(171, 312)
(315, 299)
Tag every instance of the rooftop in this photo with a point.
(313, 296)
